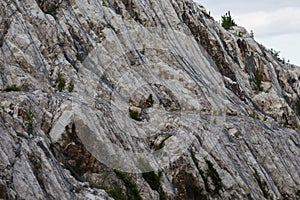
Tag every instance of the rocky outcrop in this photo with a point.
(148, 99)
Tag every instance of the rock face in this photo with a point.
(142, 99)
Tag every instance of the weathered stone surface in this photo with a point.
(93, 88)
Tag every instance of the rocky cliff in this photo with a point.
(142, 99)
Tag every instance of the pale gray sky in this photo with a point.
(276, 23)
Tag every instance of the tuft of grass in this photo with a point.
(12, 88)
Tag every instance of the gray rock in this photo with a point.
(222, 121)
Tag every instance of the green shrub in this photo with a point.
(239, 34)
(227, 21)
(71, 86)
(150, 101)
(29, 120)
(251, 34)
(275, 53)
(61, 82)
(154, 182)
(51, 9)
(12, 88)
(151, 177)
(134, 114)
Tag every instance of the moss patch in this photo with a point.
(116, 193)
(132, 191)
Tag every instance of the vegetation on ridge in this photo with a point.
(12, 88)
(227, 21)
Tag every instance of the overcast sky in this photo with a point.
(275, 23)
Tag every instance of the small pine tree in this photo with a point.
(61, 82)
(251, 34)
(227, 21)
(29, 121)
(275, 54)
